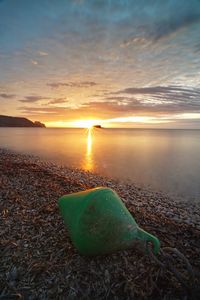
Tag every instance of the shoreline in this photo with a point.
(37, 252)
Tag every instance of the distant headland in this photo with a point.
(7, 121)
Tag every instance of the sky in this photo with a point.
(120, 63)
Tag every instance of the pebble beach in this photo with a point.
(38, 260)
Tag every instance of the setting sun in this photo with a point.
(86, 123)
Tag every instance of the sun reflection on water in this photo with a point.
(88, 163)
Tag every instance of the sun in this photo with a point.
(86, 123)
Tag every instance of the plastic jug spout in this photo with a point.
(147, 237)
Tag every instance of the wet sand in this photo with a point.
(38, 260)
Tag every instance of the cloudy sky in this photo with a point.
(129, 63)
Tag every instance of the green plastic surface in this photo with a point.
(99, 223)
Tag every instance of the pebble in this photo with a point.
(35, 241)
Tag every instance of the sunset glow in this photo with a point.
(86, 123)
(116, 63)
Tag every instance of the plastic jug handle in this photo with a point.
(145, 236)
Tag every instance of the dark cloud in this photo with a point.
(158, 90)
(153, 101)
(173, 23)
(30, 99)
(44, 110)
(166, 97)
(166, 18)
(7, 96)
(57, 101)
(118, 98)
(72, 84)
(114, 107)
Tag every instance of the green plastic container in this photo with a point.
(99, 223)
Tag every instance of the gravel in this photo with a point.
(38, 260)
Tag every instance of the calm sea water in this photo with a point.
(165, 160)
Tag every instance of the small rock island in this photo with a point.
(7, 121)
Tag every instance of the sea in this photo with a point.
(160, 159)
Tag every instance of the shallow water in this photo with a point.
(166, 160)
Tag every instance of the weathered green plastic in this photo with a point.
(99, 223)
